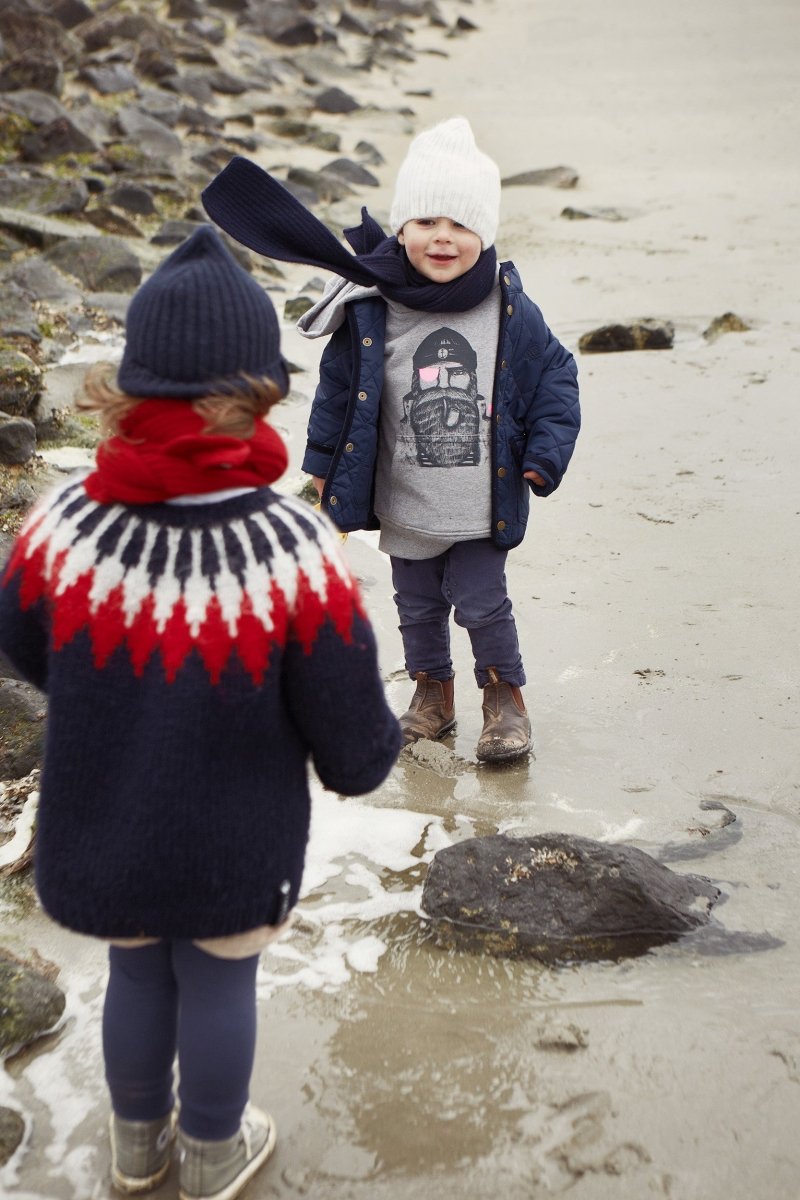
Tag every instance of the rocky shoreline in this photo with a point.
(111, 124)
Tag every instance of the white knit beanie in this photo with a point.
(444, 174)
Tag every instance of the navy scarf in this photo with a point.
(262, 214)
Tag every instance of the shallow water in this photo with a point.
(390, 1064)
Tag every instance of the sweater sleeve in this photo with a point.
(24, 638)
(332, 681)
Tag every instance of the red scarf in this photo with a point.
(161, 452)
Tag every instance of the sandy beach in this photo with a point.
(656, 595)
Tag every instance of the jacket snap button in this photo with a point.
(349, 447)
(510, 309)
(367, 342)
(503, 364)
(500, 524)
(501, 471)
(333, 500)
(362, 395)
(506, 279)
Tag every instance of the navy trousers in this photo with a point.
(469, 581)
(172, 998)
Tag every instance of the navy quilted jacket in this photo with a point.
(535, 410)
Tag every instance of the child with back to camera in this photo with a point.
(443, 401)
(191, 628)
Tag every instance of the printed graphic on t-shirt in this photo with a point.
(444, 408)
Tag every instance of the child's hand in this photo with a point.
(535, 477)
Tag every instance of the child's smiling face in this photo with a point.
(440, 249)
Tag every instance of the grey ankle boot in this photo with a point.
(140, 1152)
(220, 1170)
(431, 713)
(506, 726)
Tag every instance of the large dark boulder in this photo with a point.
(23, 713)
(559, 898)
(30, 1005)
(17, 445)
(102, 264)
(12, 1129)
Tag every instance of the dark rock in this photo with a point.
(326, 188)
(37, 230)
(110, 79)
(20, 382)
(369, 154)
(92, 120)
(100, 264)
(350, 172)
(464, 25)
(162, 105)
(350, 22)
(151, 136)
(33, 71)
(402, 8)
(22, 727)
(571, 213)
(9, 246)
(559, 898)
(281, 23)
(208, 29)
(37, 107)
(104, 218)
(334, 100)
(39, 280)
(12, 1131)
(17, 318)
(70, 13)
(294, 309)
(43, 194)
(195, 51)
(196, 87)
(21, 30)
(560, 177)
(227, 84)
(173, 232)
(134, 198)
(59, 138)
(647, 334)
(17, 446)
(727, 323)
(153, 60)
(184, 10)
(105, 30)
(30, 1005)
(306, 133)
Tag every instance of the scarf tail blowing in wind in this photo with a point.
(258, 211)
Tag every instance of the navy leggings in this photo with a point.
(168, 998)
(468, 580)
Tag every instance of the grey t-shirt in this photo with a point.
(432, 484)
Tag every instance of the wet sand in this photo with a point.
(656, 595)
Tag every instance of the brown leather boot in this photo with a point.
(431, 713)
(506, 726)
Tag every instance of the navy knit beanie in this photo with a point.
(200, 320)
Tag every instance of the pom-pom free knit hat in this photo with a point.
(200, 320)
(444, 174)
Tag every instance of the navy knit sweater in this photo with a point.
(195, 658)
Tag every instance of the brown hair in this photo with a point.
(224, 411)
